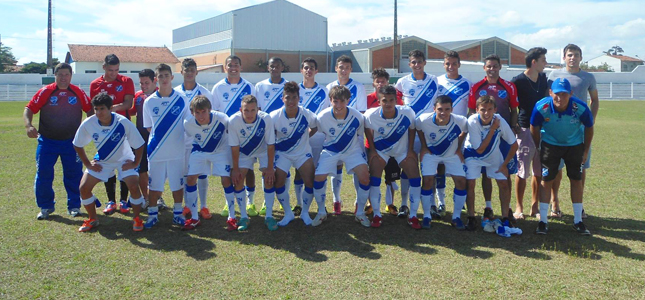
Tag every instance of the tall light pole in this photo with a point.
(49, 37)
(395, 63)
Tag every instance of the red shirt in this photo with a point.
(372, 101)
(117, 89)
(61, 111)
(503, 91)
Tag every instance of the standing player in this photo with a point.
(113, 135)
(390, 131)
(121, 89)
(252, 137)
(293, 126)
(164, 113)
(191, 89)
(531, 87)
(419, 92)
(61, 105)
(505, 96)
(343, 144)
(358, 101)
(583, 87)
(556, 125)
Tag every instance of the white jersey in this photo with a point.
(198, 90)
(314, 99)
(442, 140)
(269, 94)
(458, 90)
(209, 138)
(229, 96)
(252, 138)
(165, 117)
(477, 133)
(390, 135)
(342, 135)
(419, 94)
(358, 100)
(114, 142)
(291, 135)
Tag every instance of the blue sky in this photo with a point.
(593, 25)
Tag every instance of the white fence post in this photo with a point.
(24, 96)
(611, 90)
(632, 90)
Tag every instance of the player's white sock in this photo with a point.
(405, 189)
(297, 187)
(283, 198)
(153, 212)
(240, 197)
(441, 188)
(459, 197)
(230, 201)
(191, 200)
(250, 195)
(544, 211)
(489, 204)
(577, 213)
(287, 183)
(307, 198)
(336, 184)
(362, 193)
(415, 195)
(388, 194)
(375, 194)
(319, 194)
(426, 201)
(202, 189)
(269, 197)
(177, 209)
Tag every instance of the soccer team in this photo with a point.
(420, 130)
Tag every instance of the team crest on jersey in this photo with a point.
(175, 111)
(225, 96)
(72, 100)
(300, 100)
(574, 107)
(430, 92)
(433, 135)
(267, 94)
(411, 92)
(95, 136)
(227, 168)
(482, 93)
(53, 100)
(243, 132)
(260, 132)
(502, 94)
(381, 130)
(119, 88)
(198, 137)
(155, 110)
(284, 130)
(332, 131)
(115, 137)
(545, 172)
(401, 129)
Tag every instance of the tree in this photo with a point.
(37, 68)
(602, 68)
(6, 59)
(615, 50)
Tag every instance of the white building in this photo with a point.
(618, 63)
(89, 58)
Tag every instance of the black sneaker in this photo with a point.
(581, 228)
(542, 228)
(434, 213)
(511, 218)
(488, 213)
(297, 210)
(404, 211)
(471, 225)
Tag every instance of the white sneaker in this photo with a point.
(74, 212)
(320, 217)
(161, 204)
(363, 220)
(44, 213)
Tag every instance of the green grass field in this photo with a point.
(50, 259)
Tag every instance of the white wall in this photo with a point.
(81, 67)
(613, 62)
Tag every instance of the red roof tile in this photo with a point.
(626, 58)
(136, 54)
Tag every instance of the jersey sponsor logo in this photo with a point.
(63, 93)
(72, 100)
(267, 95)
(155, 110)
(119, 88)
(574, 121)
(53, 100)
(165, 103)
(482, 93)
(104, 131)
(390, 124)
(332, 131)
(109, 85)
(502, 94)
(492, 87)
(234, 90)
(442, 130)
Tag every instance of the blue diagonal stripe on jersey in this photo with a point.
(166, 123)
(471, 152)
(111, 142)
(293, 140)
(462, 85)
(344, 139)
(236, 101)
(394, 136)
(422, 100)
(275, 103)
(352, 99)
(255, 138)
(445, 141)
(212, 140)
(315, 101)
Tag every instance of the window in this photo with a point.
(90, 71)
(134, 71)
(123, 71)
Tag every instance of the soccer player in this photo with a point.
(358, 101)
(113, 135)
(293, 126)
(531, 87)
(343, 143)
(390, 131)
(164, 113)
(121, 89)
(210, 155)
(191, 89)
(442, 134)
(457, 88)
(252, 138)
(61, 106)
(505, 96)
(419, 92)
(583, 87)
(556, 125)
(486, 131)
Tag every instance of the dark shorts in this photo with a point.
(551, 155)
(392, 170)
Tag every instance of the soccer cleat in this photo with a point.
(511, 218)
(542, 228)
(205, 213)
(441, 210)
(145, 204)
(231, 224)
(404, 212)
(471, 225)
(414, 222)
(179, 220)
(151, 222)
(137, 224)
(337, 208)
(488, 213)
(88, 224)
(110, 208)
(376, 221)
(434, 213)
(243, 224)
(161, 204)
(224, 212)
(124, 207)
(320, 217)
(581, 228)
(186, 212)
(74, 212)
(263, 210)
(457, 223)
(392, 210)
(271, 223)
(369, 210)
(426, 223)
(251, 210)
(191, 224)
(363, 220)
(297, 210)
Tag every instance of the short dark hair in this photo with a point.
(453, 54)
(340, 92)
(232, 57)
(62, 66)
(200, 102)
(291, 87)
(571, 47)
(534, 54)
(417, 53)
(111, 59)
(275, 59)
(147, 73)
(345, 59)
(380, 73)
(387, 90)
(188, 62)
(102, 98)
(443, 99)
(493, 57)
(162, 67)
(309, 60)
(485, 100)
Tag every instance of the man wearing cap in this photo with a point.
(562, 126)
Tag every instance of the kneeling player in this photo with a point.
(486, 129)
(113, 135)
(252, 137)
(390, 134)
(442, 134)
(210, 155)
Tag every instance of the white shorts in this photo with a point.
(316, 142)
(474, 170)
(247, 162)
(399, 158)
(218, 164)
(453, 165)
(108, 171)
(159, 171)
(285, 161)
(329, 160)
